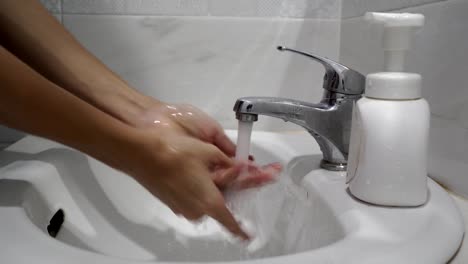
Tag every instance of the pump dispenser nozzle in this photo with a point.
(398, 30)
(393, 83)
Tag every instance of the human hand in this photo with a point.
(190, 120)
(182, 172)
(194, 125)
(250, 176)
(194, 122)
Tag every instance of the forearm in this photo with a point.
(31, 103)
(35, 37)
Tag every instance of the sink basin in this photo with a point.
(308, 216)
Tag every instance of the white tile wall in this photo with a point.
(136, 7)
(238, 8)
(354, 8)
(211, 62)
(54, 6)
(277, 8)
(208, 58)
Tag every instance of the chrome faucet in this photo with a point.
(328, 121)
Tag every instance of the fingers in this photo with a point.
(274, 167)
(224, 178)
(256, 176)
(200, 125)
(217, 158)
(244, 175)
(175, 209)
(211, 203)
(222, 214)
(224, 143)
(252, 182)
(192, 215)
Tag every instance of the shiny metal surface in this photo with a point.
(246, 117)
(328, 121)
(338, 78)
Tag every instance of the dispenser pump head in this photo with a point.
(398, 30)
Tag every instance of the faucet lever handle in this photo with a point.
(338, 78)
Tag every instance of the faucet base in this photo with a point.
(333, 166)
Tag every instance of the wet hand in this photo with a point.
(247, 175)
(182, 172)
(190, 120)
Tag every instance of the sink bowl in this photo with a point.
(59, 205)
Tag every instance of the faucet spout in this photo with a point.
(328, 123)
(287, 109)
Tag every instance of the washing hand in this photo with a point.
(192, 121)
(179, 170)
(197, 160)
(185, 160)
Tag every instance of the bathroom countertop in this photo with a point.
(462, 255)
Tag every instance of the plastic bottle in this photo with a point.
(387, 162)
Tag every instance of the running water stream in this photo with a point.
(243, 140)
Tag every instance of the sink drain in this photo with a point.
(55, 223)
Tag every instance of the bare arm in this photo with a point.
(55, 107)
(31, 103)
(33, 35)
(28, 31)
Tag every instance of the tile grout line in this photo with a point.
(202, 17)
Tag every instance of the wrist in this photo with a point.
(129, 106)
(121, 101)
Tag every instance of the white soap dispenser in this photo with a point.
(387, 162)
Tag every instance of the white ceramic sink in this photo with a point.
(109, 218)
